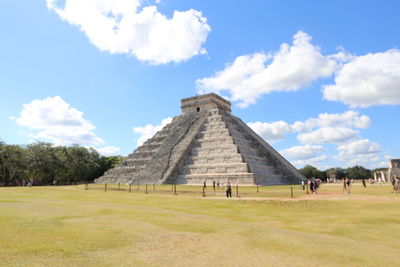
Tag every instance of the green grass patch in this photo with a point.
(71, 226)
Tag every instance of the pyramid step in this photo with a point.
(214, 141)
(213, 150)
(139, 161)
(210, 135)
(236, 178)
(245, 150)
(216, 131)
(214, 126)
(216, 168)
(264, 169)
(207, 159)
(214, 119)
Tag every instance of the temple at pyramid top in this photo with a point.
(204, 102)
(205, 143)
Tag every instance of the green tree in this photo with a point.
(358, 172)
(310, 171)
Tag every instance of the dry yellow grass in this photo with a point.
(68, 226)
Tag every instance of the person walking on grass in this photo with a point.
(395, 183)
(348, 184)
(344, 184)
(228, 190)
(364, 184)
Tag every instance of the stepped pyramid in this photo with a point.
(205, 143)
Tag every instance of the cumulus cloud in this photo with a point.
(149, 130)
(362, 146)
(303, 152)
(347, 119)
(292, 67)
(359, 152)
(271, 132)
(372, 79)
(318, 162)
(109, 150)
(328, 135)
(55, 120)
(128, 27)
(277, 130)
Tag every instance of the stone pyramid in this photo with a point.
(205, 143)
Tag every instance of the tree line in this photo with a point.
(43, 163)
(356, 172)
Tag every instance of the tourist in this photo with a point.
(395, 183)
(205, 185)
(303, 185)
(228, 190)
(214, 185)
(364, 184)
(344, 184)
(348, 183)
(312, 185)
(317, 184)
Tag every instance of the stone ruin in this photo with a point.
(205, 143)
(390, 173)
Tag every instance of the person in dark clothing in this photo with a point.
(348, 183)
(214, 185)
(228, 190)
(363, 182)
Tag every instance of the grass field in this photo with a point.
(71, 226)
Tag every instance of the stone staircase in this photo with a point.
(126, 171)
(214, 156)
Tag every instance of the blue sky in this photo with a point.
(318, 80)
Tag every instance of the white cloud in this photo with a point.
(303, 152)
(109, 150)
(126, 27)
(359, 152)
(271, 131)
(55, 120)
(326, 135)
(361, 146)
(318, 162)
(347, 119)
(289, 69)
(372, 79)
(149, 130)
(277, 130)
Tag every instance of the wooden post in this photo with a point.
(146, 189)
(291, 191)
(130, 187)
(105, 187)
(257, 189)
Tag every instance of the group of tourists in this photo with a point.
(217, 185)
(396, 184)
(313, 184)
